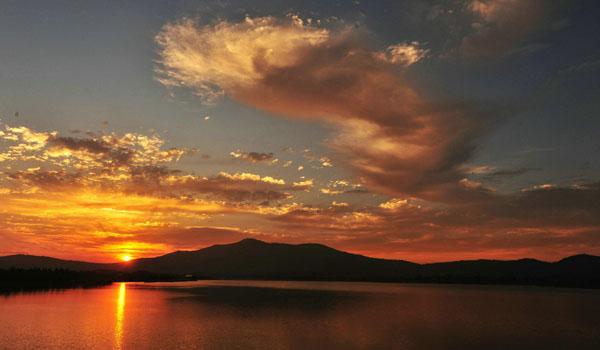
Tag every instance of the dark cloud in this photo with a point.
(499, 26)
(161, 181)
(52, 180)
(94, 146)
(253, 157)
(109, 153)
(232, 187)
(511, 172)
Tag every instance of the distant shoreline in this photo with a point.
(33, 280)
(15, 280)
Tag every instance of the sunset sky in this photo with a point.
(418, 130)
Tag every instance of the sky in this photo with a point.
(417, 130)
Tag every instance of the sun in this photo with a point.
(126, 257)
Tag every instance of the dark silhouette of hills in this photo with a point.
(23, 261)
(254, 259)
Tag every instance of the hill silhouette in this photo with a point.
(23, 261)
(254, 259)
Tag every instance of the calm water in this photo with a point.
(301, 315)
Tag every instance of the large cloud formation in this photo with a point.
(396, 139)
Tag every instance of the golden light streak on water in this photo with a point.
(120, 315)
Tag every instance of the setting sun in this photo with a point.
(126, 258)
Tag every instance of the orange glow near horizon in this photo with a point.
(126, 258)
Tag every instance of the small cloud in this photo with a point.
(330, 191)
(480, 169)
(546, 186)
(394, 204)
(466, 183)
(303, 185)
(404, 54)
(325, 162)
(336, 187)
(254, 157)
(502, 173)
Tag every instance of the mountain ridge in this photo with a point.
(255, 259)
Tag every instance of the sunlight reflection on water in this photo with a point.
(120, 315)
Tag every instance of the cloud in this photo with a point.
(109, 151)
(336, 187)
(253, 157)
(53, 180)
(236, 187)
(212, 67)
(499, 25)
(396, 139)
(508, 173)
(404, 54)
(393, 204)
(303, 185)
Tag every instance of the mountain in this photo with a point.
(254, 259)
(23, 261)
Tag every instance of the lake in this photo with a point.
(301, 315)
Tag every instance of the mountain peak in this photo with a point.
(247, 241)
(580, 258)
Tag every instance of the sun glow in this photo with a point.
(126, 258)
